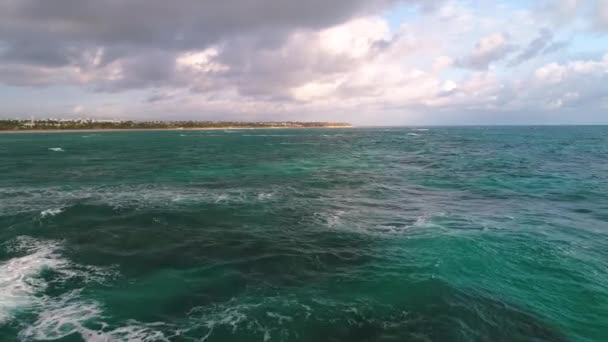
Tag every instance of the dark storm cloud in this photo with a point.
(178, 24)
(91, 34)
(159, 97)
(260, 70)
(149, 68)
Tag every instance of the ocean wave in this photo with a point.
(21, 285)
(22, 290)
(19, 276)
(21, 200)
(262, 196)
(51, 212)
(298, 143)
(71, 314)
(229, 316)
(266, 318)
(354, 222)
(62, 317)
(267, 135)
(56, 149)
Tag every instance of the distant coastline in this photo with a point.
(55, 126)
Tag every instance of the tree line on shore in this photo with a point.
(53, 124)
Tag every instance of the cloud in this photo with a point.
(178, 24)
(116, 45)
(592, 15)
(543, 44)
(600, 19)
(488, 50)
(60, 33)
(267, 59)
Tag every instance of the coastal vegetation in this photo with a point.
(60, 124)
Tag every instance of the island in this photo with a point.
(50, 125)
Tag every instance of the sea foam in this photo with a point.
(22, 288)
(56, 149)
(50, 212)
(70, 314)
(19, 281)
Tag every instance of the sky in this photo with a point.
(367, 62)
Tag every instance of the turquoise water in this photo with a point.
(397, 234)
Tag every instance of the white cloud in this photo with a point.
(442, 63)
(488, 49)
(201, 61)
(555, 73)
(601, 14)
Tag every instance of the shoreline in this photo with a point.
(97, 130)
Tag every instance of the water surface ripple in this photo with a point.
(371, 234)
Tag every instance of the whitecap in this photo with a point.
(62, 317)
(331, 219)
(222, 198)
(134, 331)
(19, 281)
(215, 316)
(412, 134)
(280, 318)
(56, 149)
(21, 286)
(265, 196)
(70, 314)
(50, 212)
(267, 135)
(21, 290)
(421, 221)
(303, 143)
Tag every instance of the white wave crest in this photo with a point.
(51, 212)
(265, 196)
(62, 317)
(21, 287)
(267, 135)
(70, 314)
(18, 276)
(56, 149)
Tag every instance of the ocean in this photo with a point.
(364, 234)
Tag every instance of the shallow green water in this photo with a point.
(399, 234)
